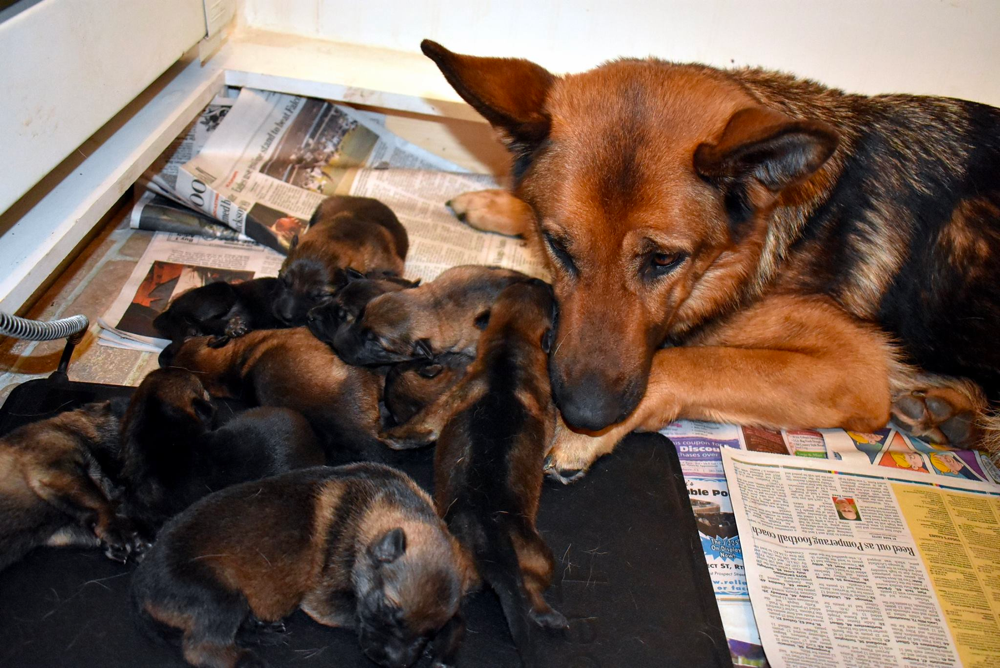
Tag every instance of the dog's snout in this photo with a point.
(593, 402)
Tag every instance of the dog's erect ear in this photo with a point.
(389, 547)
(509, 92)
(767, 146)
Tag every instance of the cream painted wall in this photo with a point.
(945, 47)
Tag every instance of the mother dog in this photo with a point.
(745, 246)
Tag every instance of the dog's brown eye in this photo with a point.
(663, 263)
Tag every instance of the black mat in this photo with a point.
(630, 577)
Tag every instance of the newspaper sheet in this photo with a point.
(851, 564)
(268, 166)
(171, 265)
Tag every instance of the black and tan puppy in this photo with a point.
(356, 547)
(325, 320)
(443, 316)
(345, 232)
(172, 456)
(412, 386)
(54, 492)
(493, 431)
(223, 310)
(291, 368)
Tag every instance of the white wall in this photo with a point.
(944, 47)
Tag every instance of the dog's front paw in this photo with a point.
(492, 211)
(550, 619)
(573, 453)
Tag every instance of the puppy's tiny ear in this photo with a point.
(422, 348)
(547, 339)
(204, 410)
(482, 320)
(430, 371)
(389, 547)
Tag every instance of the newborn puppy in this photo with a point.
(223, 310)
(411, 386)
(171, 456)
(493, 431)
(325, 320)
(291, 368)
(357, 547)
(345, 232)
(443, 316)
(53, 490)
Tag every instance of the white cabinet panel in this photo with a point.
(68, 66)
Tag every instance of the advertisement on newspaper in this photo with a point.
(850, 564)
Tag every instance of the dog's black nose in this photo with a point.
(592, 403)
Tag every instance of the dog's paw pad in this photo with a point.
(565, 476)
(938, 415)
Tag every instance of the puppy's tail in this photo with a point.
(498, 565)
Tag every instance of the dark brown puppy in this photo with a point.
(223, 310)
(325, 320)
(172, 455)
(54, 492)
(345, 232)
(291, 368)
(412, 386)
(493, 431)
(443, 316)
(357, 547)
(744, 246)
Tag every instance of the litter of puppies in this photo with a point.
(347, 363)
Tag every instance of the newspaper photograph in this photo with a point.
(171, 265)
(850, 564)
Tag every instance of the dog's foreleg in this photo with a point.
(790, 362)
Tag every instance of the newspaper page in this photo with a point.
(851, 564)
(268, 166)
(172, 265)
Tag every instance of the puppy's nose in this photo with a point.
(592, 403)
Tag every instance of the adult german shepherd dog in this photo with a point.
(745, 246)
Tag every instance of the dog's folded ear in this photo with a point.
(509, 92)
(767, 146)
(389, 547)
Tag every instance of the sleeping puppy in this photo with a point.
(443, 316)
(171, 456)
(356, 547)
(325, 320)
(345, 232)
(223, 310)
(411, 386)
(291, 368)
(493, 431)
(54, 492)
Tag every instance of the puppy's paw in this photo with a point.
(939, 415)
(236, 327)
(492, 211)
(550, 619)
